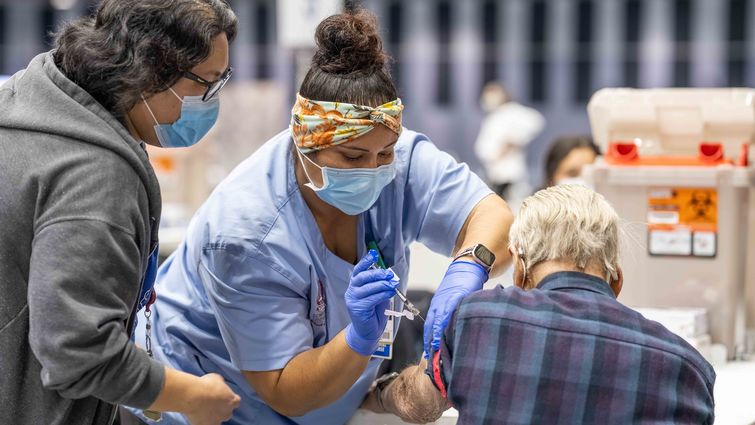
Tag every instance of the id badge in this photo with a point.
(385, 345)
(383, 351)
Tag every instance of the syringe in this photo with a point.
(407, 304)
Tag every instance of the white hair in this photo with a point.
(569, 223)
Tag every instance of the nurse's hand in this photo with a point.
(367, 298)
(461, 279)
(215, 401)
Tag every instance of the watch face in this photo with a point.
(484, 255)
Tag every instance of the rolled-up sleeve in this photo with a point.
(440, 194)
(439, 365)
(263, 318)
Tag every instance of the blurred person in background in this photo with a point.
(81, 209)
(557, 346)
(566, 157)
(505, 132)
(274, 287)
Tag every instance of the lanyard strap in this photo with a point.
(369, 237)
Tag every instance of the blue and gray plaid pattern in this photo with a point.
(569, 353)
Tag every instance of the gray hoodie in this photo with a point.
(79, 209)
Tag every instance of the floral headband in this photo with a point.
(317, 125)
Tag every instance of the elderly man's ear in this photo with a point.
(519, 276)
(618, 283)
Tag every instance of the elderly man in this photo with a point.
(557, 347)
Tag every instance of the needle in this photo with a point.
(407, 304)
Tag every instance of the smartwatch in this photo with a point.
(481, 255)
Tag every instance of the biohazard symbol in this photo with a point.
(698, 206)
(702, 203)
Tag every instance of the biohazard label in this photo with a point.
(682, 222)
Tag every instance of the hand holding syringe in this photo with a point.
(410, 310)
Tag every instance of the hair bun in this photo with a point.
(349, 43)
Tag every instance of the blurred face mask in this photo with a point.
(196, 119)
(351, 190)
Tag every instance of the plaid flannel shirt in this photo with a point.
(567, 353)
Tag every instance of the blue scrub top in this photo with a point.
(253, 285)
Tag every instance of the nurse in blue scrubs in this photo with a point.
(273, 287)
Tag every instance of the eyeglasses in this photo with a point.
(213, 87)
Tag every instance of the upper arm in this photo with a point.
(97, 185)
(87, 259)
(439, 196)
(83, 282)
(263, 317)
(493, 210)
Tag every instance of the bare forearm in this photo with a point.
(177, 393)
(489, 224)
(206, 399)
(321, 376)
(313, 379)
(413, 397)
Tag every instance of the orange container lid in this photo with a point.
(710, 154)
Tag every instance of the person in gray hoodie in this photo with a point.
(80, 208)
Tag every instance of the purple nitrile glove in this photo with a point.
(367, 298)
(461, 279)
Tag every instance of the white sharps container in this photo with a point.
(676, 170)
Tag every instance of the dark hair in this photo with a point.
(561, 148)
(134, 47)
(349, 65)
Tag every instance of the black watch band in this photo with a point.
(380, 385)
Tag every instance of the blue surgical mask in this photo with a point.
(351, 190)
(197, 118)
